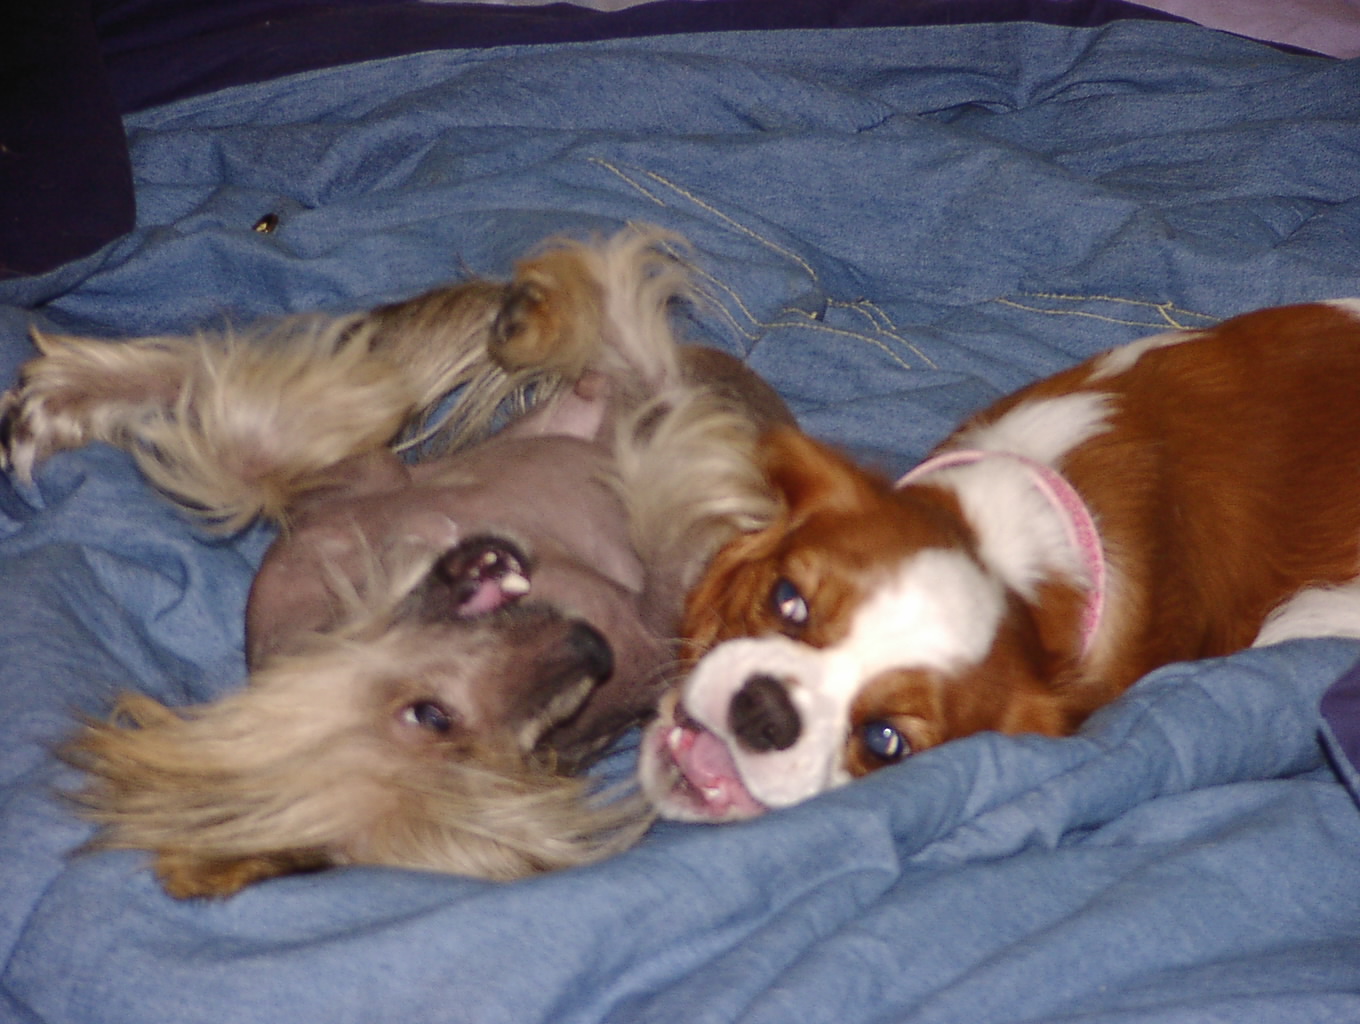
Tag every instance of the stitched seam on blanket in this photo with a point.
(708, 208)
(1168, 313)
(878, 318)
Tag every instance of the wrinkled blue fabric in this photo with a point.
(894, 226)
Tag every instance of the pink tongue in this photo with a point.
(486, 598)
(707, 764)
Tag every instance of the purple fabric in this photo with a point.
(159, 50)
(69, 68)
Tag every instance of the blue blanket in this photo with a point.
(894, 226)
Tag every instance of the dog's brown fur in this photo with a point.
(1184, 496)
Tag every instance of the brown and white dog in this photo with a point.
(436, 645)
(1181, 497)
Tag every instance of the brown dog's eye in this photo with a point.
(429, 715)
(884, 741)
(788, 604)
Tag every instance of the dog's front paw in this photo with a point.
(525, 328)
(34, 423)
(81, 390)
(551, 318)
(8, 433)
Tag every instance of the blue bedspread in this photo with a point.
(895, 225)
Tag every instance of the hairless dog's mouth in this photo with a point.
(479, 576)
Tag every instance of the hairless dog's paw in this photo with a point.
(551, 317)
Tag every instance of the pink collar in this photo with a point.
(1077, 520)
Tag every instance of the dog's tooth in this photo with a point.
(514, 584)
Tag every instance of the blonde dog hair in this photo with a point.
(288, 773)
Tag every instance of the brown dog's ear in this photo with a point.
(732, 597)
(728, 599)
(812, 476)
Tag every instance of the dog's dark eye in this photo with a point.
(884, 741)
(788, 604)
(429, 715)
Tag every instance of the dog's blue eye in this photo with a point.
(429, 715)
(788, 603)
(884, 741)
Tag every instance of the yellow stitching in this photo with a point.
(807, 267)
(1165, 310)
(883, 324)
(1117, 299)
(627, 180)
(675, 188)
(1096, 316)
(863, 307)
(807, 320)
(870, 312)
(817, 325)
(1061, 312)
(813, 323)
(713, 303)
(708, 276)
(709, 208)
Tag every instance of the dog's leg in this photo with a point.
(233, 427)
(238, 426)
(186, 874)
(553, 314)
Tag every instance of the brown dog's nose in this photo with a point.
(762, 716)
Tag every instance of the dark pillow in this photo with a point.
(65, 178)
